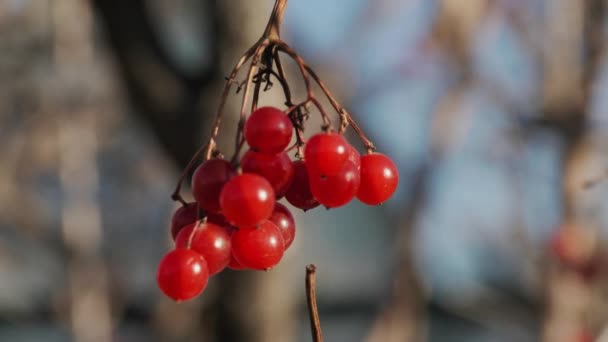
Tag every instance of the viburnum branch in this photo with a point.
(208, 148)
(243, 113)
(369, 145)
(296, 116)
(272, 30)
(311, 301)
(283, 47)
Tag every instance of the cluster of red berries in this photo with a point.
(244, 227)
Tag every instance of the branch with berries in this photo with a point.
(236, 221)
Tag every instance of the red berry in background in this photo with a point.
(207, 183)
(354, 157)
(326, 153)
(276, 168)
(247, 200)
(299, 194)
(336, 191)
(268, 130)
(182, 217)
(182, 274)
(379, 179)
(258, 248)
(209, 240)
(573, 246)
(235, 265)
(282, 218)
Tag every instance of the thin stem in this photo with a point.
(283, 47)
(210, 146)
(229, 82)
(243, 114)
(272, 30)
(296, 116)
(344, 114)
(176, 196)
(311, 301)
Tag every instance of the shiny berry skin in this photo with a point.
(354, 156)
(299, 194)
(258, 248)
(336, 191)
(247, 200)
(276, 168)
(379, 179)
(235, 265)
(282, 218)
(268, 130)
(207, 183)
(182, 274)
(326, 153)
(182, 217)
(209, 240)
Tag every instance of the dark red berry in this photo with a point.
(338, 190)
(282, 218)
(299, 194)
(276, 168)
(268, 130)
(209, 240)
(326, 153)
(182, 274)
(247, 200)
(235, 265)
(379, 179)
(218, 219)
(208, 181)
(258, 248)
(182, 217)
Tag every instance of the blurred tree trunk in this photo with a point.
(250, 306)
(569, 78)
(89, 298)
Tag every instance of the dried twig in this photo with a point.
(311, 300)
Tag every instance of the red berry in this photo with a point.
(338, 190)
(354, 156)
(299, 194)
(276, 168)
(235, 265)
(209, 240)
(207, 183)
(379, 179)
(283, 219)
(247, 200)
(182, 274)
(182, 217)
(268, 130)
(326, 153)
(219, 219)
(259, 248)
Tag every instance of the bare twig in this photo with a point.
(311, 299)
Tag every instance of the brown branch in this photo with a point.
(311, 300)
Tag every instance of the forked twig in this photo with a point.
(263, 56)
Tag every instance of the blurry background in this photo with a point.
(495, 111)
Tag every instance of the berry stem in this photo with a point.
(311, 300)
(344, 114)
(283, 47)
(239, 141)
(208, 148)
(272, 30)
(296, 116)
